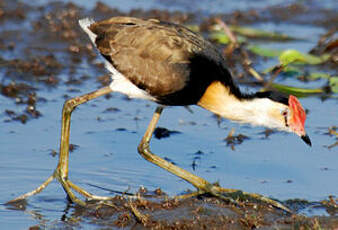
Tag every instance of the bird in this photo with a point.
(171, 65)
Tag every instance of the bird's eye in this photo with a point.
(285, 115)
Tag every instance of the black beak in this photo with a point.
(306, 139)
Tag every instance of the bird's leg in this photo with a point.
(143, 148)
(201, 184)
(61, 171)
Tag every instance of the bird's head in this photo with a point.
(296, 116)
(282, 112)
(291, 117)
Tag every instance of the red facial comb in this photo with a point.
(299, 115)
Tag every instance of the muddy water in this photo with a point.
(106, 131)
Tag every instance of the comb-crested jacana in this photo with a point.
(171, 65)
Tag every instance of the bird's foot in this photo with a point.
(213, 190)
(89, 196)
(233, 196)
(68, 186)
(240, 195)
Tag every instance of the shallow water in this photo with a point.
(280, 166)
(203, 6)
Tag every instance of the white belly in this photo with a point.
(122, 84)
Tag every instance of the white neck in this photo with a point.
(257, 111)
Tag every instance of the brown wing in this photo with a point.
(153, 55)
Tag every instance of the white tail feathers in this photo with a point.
(85, 23)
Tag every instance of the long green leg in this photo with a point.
(61, 171)
(201, 184)
(145, 152)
